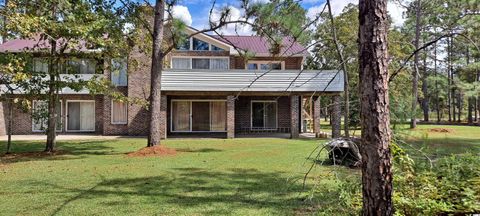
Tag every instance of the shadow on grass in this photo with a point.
(190, 189)
(66, 150)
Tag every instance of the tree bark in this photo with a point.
(437, 97)
(154, 135)
(375, 113)
(418, 14)
(449, 78)
(52, 99)
(426, 99)
(346, 93)
(5, 20)
(470, 99)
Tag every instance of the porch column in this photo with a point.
(230, 116)
(336, 116)
(316, 116)
(294, 116)
(163, 116)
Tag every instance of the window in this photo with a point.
(184, 45)
(251, 66)
(119, 72)
(198, 116)
(219, 64)
(119, 112)
(200, 45)
(200, 63)
(264, 114)
(265, 65)
(80, 66)
(181, 63)
(80, 116)
(40, 65)
(40, 116)
(215, 48)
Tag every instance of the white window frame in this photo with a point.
(61, 117)
(259, 62)
(201, 57)
(94, 116)
(276, 115)
(190, 102)
(111, 114)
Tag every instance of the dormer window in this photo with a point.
(200, 45)
(265, 65)
(184, 45)
(215, 48)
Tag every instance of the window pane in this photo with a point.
(119, 112)
(276, 66)
(215, 48)
(180, 116)
(40, 116)
(119, 72)
(80, 66)
(40, 65)
(199, 44)
(219, 64)
(184, 45)
(200, 116)
(257, 114)
(198, 63)
(270, 115)
(264, 67)
(252, 66)
(218, 114)
(181, 63)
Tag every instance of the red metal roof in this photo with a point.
(32, 45)
(260, 45)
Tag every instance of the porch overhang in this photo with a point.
(252, 81)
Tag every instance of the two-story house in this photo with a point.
(208, 89)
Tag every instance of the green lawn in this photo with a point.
(206, 177)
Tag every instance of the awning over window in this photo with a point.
(253, 81)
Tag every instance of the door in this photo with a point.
(200, 116)
(81, 116)
(264, 115)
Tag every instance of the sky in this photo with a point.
(195, 12)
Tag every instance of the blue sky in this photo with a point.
(196, 12)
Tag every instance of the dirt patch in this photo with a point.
(441, 130)
(21, 155)
(157, 151)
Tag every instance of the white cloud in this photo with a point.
(394, 10)
(182, 13)
(232, 29)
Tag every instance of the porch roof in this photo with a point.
(253, 80)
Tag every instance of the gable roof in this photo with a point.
(260, 45)
(33, 44)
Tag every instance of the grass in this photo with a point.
(207, 177)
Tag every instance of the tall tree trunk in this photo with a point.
(426, 99)
(375, 113)
(346, 94)
(437, 97)
(470, 99)
(449, 78)
(5, 20)
(418, 14)
(10, 121)
(154, 135)
(460, 105)
(52, 99)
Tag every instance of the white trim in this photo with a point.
(251, 114)
(190, 114)
(61, 117)
(258, 62)
(111, 114)
(208, 38)
(66, 116)
(200, 57)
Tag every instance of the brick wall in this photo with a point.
(243, 112)
(23, 119)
